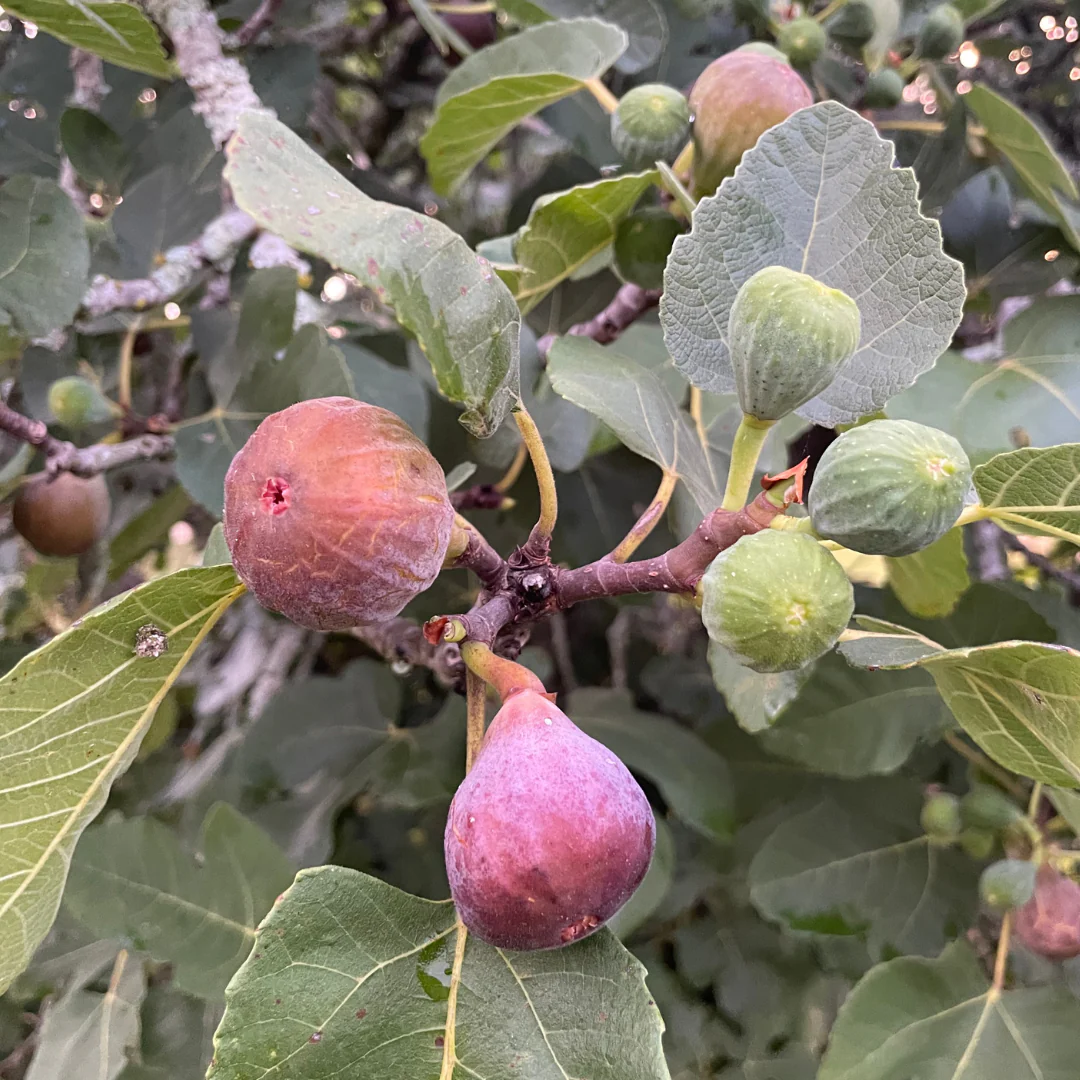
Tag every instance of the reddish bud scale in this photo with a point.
(549, 834)
(336, 514)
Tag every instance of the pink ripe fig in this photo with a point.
(735, 100)
(548, 835)
(1049, 923)
(336, 514)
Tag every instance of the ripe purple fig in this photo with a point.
(548, 835)
(1049, 923)
(336, 514)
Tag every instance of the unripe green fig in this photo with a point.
(765, 49)
(651, 123)
(987, 808)
(979, 844)
(64, 515)
(853, 25)
(642, 245)
(940, 817)
(336, 514)
(76, 402)
(789, 335)
(1007, 884)
(776, 600)
(735, 100)
(890, 487)
(548, 835)
(802, 40)
(884, 89)
(941, 34)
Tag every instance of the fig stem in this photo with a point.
(476, 554)
(984, 764)
(829, 9)
(745, 452)
(449, 1059)
(127, 352)
(475, 703)
(648, 520)
(540, 538)
(607, 100)
(506, 676)
(1001, 960)
(511, 476)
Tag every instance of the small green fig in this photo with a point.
(735, 100)
(940, 817)
(884, 89)
(941, 33)
(802, 40)
(642, 244)
(789, 335)
(776, 600)
(1007, 884)
(979, 844)
(853, 25)
(651, 123)
(76, 402)
(987, 808)
(890, 487)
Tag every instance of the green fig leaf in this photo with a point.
(1034, 490)
(930, 583)
(818, 194)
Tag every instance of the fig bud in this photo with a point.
(890, 487)
(941, 34)
(76, 402)
(884, 89)
(735, 100)
(789, 335)
(1007, 884)
(940, 817)
(651, 123)
(643, 242)
(776, 600)
(1049, 923)
(548, 835)
(802, 40)
(336, 514)
(63, 515)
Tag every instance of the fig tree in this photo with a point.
(789, 335)
(940, 817)
(884, 89)
(802, 40)
(651, 123)
(735, 100)
(776, 600)
(1049, 923)
(336, 514)
(941, 33)
(63, 515)
(76, 402)
(642, 244)
(890, 487)
(1007, 884)
(548, 835)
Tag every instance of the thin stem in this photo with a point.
(829, 9)
(648, 520)
(545, 478)
(505, 676)
(1033, 802)
(695, 415)
(259, 20)
(512, 474)
(745, 452)
(970, 514)
(1002, 959)
(984, 764)
(608, 101)
(127, 353)
(475, 701)
(682, 164)
(449, 1058)
(927, 127)
(477, 555)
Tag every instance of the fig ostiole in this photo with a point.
(650, 123)
(789, 335)
(889, 487)
(336, 514)
(548, 835)
(776, 600)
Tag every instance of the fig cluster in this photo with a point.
(776, 600)
(735, 100)
(336, 514)
(63, 515)
(889, 487)
(548, 835)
